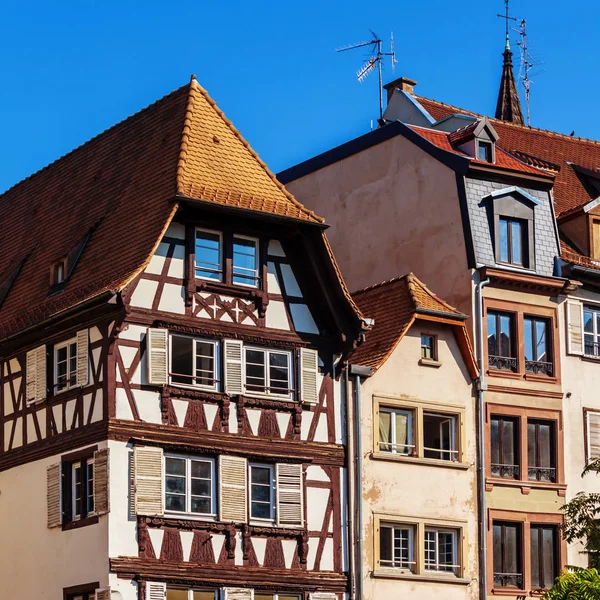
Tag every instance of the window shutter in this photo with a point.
(53, 495)
(233, 472)
(148, 470)
(36, 375)
(157, 343)
(82, 358)
(289, 495)
(102, 594)
(101, 499)
(574, 327)
(233, 367)
(155, 590)
(309, 369)
(593, 435)
(237, 594)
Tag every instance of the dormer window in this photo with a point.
(485, 151)
(58, 272)
(513, 233)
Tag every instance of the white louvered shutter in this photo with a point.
(102, 594)
(289, 495)
(101, 498)
(156, 351)
(593, 435)
(574, 327)
(53, 495)
(309, 371)
(237, 594)
(155, 590)
(83, 352)
(148, 469)
(233, 367)
(233, 473)
(36, 375)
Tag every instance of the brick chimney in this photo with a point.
(403, 83)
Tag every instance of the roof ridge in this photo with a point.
(194, 85)
(92, 139)
(380, 284)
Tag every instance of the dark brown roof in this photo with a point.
(508, 106)
(124, 182)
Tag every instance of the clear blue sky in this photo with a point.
(70, 69)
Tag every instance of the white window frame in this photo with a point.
(256, 269)
(595, 310)
(71, 381)
(411, 547)
(267, 393)
(75, 507)
(190, 592)
(455, 540)
(221, 271)
(273, 496)
(410, 441)
(454, 451)
(216, 386)
(188, 487)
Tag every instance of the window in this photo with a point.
(592, 424)
(512, 241)
(507, 555)
(540, 450)
(194, 362)
(505, 447)
(65, 365)
(262, 492)
(500, 332)
(209, 255)
(81, 592)
(189, 485)
(485, 151)
(544, 555)
(396, 431)
(78, 489)
(441, 550)
(59, 273)
(537, 350)
(428, 347)
(591, 330)
(180, 594)
(263, 596)
(397, 547)
(439, 436)
(245, 261)
(268, 371)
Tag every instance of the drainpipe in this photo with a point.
(481, 388)
(358, 371)
(350, 480)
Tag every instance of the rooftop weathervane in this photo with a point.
(374, 61)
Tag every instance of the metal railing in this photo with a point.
(503, 363)
(508, 580)
(507, 471)
(539, 367)
(407, 565)
(403, 449)
(441, 454)
(442, 568)
(591, 348)
(541, 473)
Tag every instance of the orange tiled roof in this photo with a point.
(124, 181)
(570, 193)
(394, 305)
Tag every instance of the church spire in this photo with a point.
(508, 107)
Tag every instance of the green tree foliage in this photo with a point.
(576, 584)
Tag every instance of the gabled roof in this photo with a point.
(394, 305)
(548, 147)
(126, 179)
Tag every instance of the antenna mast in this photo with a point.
(375, 61)
(526, 65)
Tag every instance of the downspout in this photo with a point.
(481, 388)
(350, 481)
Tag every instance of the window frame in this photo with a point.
(434, 350)
(490, 158)
(535, 321)
(523, 242)
(256, 277)
(190, 591)
(217, 362)
(87, 590)
(69, 518)
(516, 441)
(553, 443)
(221, 271)
(505, 363)
(437, 531)
(556, 553)
(393, 437)
(411, 562)
(273, 493)
(291, 390)
(71, 381)
(519, 549)
(453, 450)
(188, 513)
(595, 310)
(587, 435)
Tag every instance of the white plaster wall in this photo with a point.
(37, 562)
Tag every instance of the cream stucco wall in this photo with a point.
(415, 490)
(37, 562)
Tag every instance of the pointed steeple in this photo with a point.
(508, 107)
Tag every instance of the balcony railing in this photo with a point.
(514, 580)
(403, 449)
(539, 367)
(442, 568)
(503, 363)
(507, 471)
(591, 348)
(407, 565)
(541, 474)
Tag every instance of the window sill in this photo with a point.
(429, 362)
(417, 460)
(508, 592)
(80, 523)
(540, 378)
(401, 574)
(590, 358)
(506, 374)
(210, 285)
(191, 517)
(526, 486)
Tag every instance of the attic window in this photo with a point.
(59, 272)
(485, 151)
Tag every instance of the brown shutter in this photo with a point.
(593, 435)
(309, 369)
(233, 473)
(101, 498)
(289, 495)
(53, 495)
(156, 351)
(237, 594)
(574, 327)
(102, 594)
(36, 375)
(233, 367)
(149, 477)
(155, 590)
(83, 344)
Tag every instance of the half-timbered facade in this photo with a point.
(173, 423)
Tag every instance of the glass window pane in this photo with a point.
(175, 503)
(503, 240)
(403, 438)
(535, 558)
(540, 341)
(497, 533)
(511, 550)
(264, 596)
(385, 431)
(505, 335)
(261, 475)
(177, 594)
(201, 469)
(200, 487)
(205, 363)
(261, 511)
(517, 242)
(548, 556)
(492, 335)
(385, 544)
(528, 332)
(261, 493)
(588, 321)
(201, 505)
(495, 440)
(509, 456)
(245, 261)
(208, 255)
(546, 454)
(182, 349)
(175, 466)
(532, 458)
(202, 595)
(175, 485)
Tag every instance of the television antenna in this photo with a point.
(374, 61)
(528, 64)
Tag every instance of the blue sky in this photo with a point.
(70, 69)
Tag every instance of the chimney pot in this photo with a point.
(402, 83)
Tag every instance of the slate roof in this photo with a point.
(124, 181)
(570, 192)
(394, 305)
